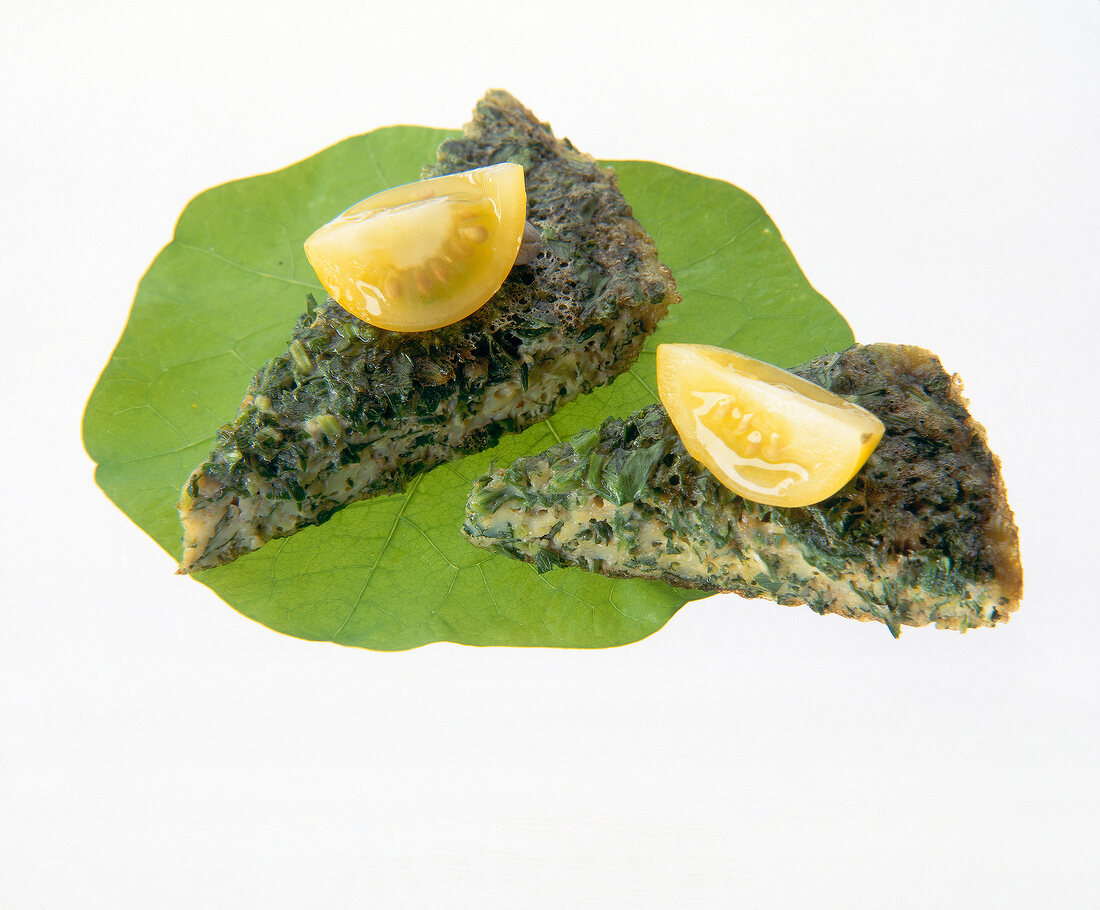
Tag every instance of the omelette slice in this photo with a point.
(351, 411)
(922, 534)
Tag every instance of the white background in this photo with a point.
(933, 166)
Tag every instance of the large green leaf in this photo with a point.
(395, 572)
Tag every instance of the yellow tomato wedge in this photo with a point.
(426, 254)
(768, 435)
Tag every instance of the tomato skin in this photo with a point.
(768, 435)
(426, 254)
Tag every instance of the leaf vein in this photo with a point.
(553, 432)
(642, 383)
(729, 241)
(378, 558)
(247, 268)
(412, 524)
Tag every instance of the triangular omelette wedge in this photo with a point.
(350, 411)
(922, 534)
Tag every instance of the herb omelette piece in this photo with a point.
(350, 411)
(922, 534)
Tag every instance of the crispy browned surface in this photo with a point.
(923, 533)
(345, 398)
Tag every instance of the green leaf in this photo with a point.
(636, 470)
(395, 572)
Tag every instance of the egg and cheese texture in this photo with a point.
(426, 254)
(766, 434)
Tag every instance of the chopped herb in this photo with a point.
(921, 535)
(409, 401)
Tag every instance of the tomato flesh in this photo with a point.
(765, 433)
(426, 254)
